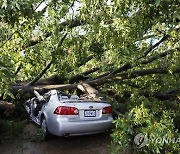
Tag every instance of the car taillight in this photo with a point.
(65, 110)
(107, 110)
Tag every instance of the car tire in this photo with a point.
(46, 133)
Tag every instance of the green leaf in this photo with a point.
(158, 2)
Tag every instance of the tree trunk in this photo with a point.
(96, 82)
(6, 107)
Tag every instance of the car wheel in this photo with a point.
(44, 129)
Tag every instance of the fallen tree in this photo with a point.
(126, 52)
(96, 82)
(93, 51)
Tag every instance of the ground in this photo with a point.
(91, 144)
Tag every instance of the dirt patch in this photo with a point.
(96, 144)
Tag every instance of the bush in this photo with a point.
(157, 128)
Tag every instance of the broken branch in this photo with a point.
(47, 66)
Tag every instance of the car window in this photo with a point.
(64, 97)
(74, 97)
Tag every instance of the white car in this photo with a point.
(69, 115)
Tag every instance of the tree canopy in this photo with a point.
(128, 50)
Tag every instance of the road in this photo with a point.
(91, 144)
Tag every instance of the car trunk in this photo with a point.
(88, 111)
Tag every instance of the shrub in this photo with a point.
(156, 127)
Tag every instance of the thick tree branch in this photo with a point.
(6, 107)
(100, 76)
(83, 63)
(63, 25)
(82, 76)
(56, 79)
(90, 91)
(97, 82)
(40, 74)
(30, 89)
(163, 54)
(164, 38)
(167, 95)
(90, 71)
(129, 75)
(47, 66)
(137, 73)
(61, 40)
(129, 65)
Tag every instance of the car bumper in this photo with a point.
(67, 128)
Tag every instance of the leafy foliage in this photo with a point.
(156, 125)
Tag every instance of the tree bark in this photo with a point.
(6, 107)
(97, 82)
(82, 76)
(87, 89)
(54, 79)
(30, 89)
